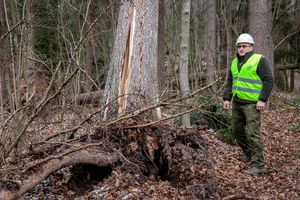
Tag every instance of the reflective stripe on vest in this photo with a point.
(246, 84)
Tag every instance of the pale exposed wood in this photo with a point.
(124, 82)
(132, 79)
(111, 91)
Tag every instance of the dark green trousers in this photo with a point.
(246, 122)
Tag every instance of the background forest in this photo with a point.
(44, 40)
(101, 60)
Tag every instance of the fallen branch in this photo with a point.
(74, 129)
(162, 103)
(162, 119)
(46, 99)
(86, 98)
(61, 155)
(73, 157)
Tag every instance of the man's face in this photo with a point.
(243, 48)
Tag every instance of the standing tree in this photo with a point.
(89, 48)
(228, 15)
(184, 56)
(260, 24)
(211, 41)
(132, 78)
(161, 76)
(4, 55)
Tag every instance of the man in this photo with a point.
(249, 86)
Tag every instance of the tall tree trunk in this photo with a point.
(132, 77)
(173, 43)
(161, 47)
(184, 56)
(211, 41)
(21, 43)
(197, 45)
(260, 24)
(228, 25)
(28, 65)
(4, 55)
(90, 48)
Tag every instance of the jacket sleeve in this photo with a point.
(264, 72)
(227, 96)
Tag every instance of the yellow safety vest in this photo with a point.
(246, 84)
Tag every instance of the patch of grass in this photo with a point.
(292, 101)
(285, 102)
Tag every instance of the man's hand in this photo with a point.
(260, 105)
(226, 105)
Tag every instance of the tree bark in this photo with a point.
(132, 77)
(161, 47)
(211, 41)
(184, 56)
(260, 24)
(29, 64)
(4, 55)
(229, 33)
(90, 48)
(292, 81)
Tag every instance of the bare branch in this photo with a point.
(286, 37)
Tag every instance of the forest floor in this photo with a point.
(216, 174)
(281, 133)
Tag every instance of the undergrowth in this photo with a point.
(214, 116)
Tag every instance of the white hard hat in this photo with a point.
(245, 38)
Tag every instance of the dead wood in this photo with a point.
(161, 104)
(86, 98)
(41, 105)
(178, 155)
(156, 152)
(87, 154)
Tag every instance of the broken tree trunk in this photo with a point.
(132, 78)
